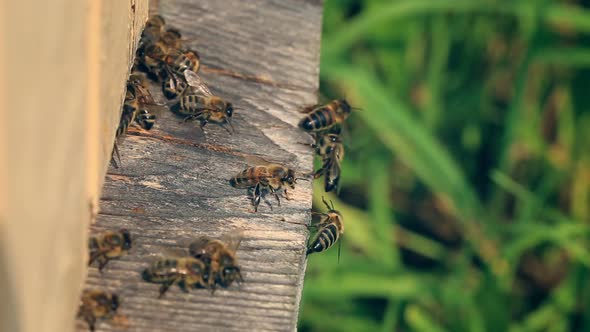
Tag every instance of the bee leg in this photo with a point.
(91, 320)
(287, 195)
(115, 155)
(183, 286)
(93, 257)
(102, 262)
(188, 118)
(256, 200)
(164, 288)
(319, 172)
(276, 195)
(203, 124)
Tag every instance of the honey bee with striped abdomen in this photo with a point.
(330, 148)
(108, 245)
(201, 105)
(97, 304)
(322, 117)
(187, 272)
(329, 230)
(271, 177)
(136, 108)
(220, 258)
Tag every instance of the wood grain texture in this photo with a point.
(263, 56)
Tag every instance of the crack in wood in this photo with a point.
(254, 78)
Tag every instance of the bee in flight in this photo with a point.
(271, 177)
(187, 272)
(108, 245)
(322, 117)
(220, 258)
(330, 148)
(329, 230)
(201, 105)
(97, 304)
(136, 108)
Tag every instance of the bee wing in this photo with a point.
(196, 245)
(233, 240)
(174, 252)
(309, 109)
(196, 82)
(258, 161)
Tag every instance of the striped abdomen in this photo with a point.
(192, 105)
(250, 177)
(184, 61)
(325, 238)
(326, 116)
(145, 119)
(163, 270)
(320, 119)
(173, 92)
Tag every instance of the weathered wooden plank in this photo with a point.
(262, 55)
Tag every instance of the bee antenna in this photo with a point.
(228, 130)
(304, 179)
(332, 204)
(356, 109)
(326, 203)
(232, 126)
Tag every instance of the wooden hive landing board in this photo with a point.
(263, 55)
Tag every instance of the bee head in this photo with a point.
(231, 273)
(229, 110)
(334, 138)
(172, 33)
(290, 178)
(344, 105)
(155, 21)
(126, 239)
(114, 302)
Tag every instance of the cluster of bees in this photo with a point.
(207, 263)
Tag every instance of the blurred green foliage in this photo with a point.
(466, 181)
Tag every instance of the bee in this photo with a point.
(220, 257)
(174, 86)
(200, 104)
(154, 27)
(329, 230)
(178, 61)
(271, 177)
(107, 246)
(136, 107)
(330, 148)
(322, 117)
(171, 38)
(97, 304)
(174, 82)
(188, 272)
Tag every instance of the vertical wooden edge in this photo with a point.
(93, 41)
(7, 305)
